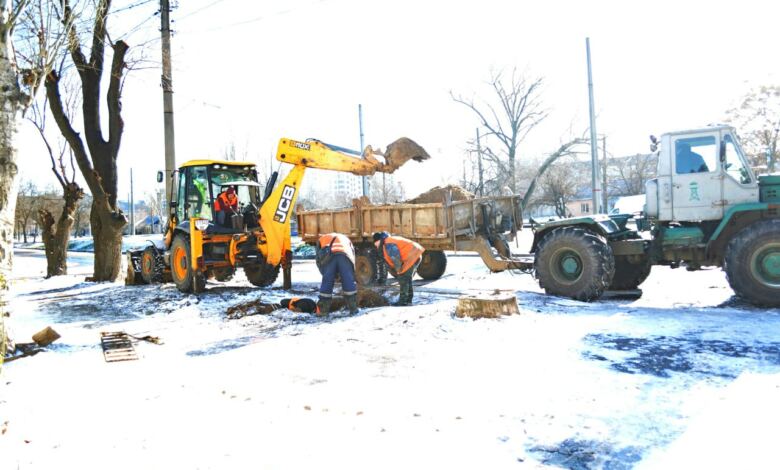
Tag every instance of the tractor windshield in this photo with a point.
(234, 188)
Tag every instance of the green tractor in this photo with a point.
(705, 208)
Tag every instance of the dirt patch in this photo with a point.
(439, 194)
(366, 298)
(253, 307)
(586, 455)
(661, 356)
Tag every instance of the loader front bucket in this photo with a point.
(400, 152)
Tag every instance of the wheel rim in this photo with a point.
(179, 264)
(567, 265)
(765, 265)
(146, 265)
(363, 272)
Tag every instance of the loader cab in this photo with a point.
(701, 173)
(200, 183)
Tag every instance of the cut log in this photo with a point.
(492, 306)
(45, 337)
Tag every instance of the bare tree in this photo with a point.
(56, 232)
(757, 118)
(560, 184)
(81, 216)
(95, 154)
(513, 110)
(627, 176)
(27, 50)
(27, 202)
(566, 149)
(386, 189)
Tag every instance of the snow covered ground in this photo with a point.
(684, 377)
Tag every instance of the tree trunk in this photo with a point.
(107, 228)
(10, 102)
(56, 236)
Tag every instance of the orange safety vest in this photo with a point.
(341, 244)
(410, 252)
(225, 201)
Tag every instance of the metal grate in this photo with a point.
(117, 346)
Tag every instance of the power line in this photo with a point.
(215, 2)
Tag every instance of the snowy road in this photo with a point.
(684, 377)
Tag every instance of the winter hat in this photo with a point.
(380, 236)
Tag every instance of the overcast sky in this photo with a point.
(250, 72)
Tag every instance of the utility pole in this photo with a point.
(132, 205)
(594, 150)
(167, 86)
(360, 123)
(605, 202)
(480, 189)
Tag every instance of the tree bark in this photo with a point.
(10, 104)
(57, 235)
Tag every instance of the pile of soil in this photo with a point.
(439, 194)
(253, 307)
(366, 298)
(401, 151)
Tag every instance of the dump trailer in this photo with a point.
(482, 225)
(220, 218)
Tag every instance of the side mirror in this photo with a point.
(159, 176)
(653, 143)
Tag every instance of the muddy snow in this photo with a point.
(684, 377)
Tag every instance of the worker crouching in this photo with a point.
(402, 257)
(336, 256)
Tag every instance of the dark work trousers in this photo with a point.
(339, 264)
(405, 282)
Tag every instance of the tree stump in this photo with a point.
(45, 337)
(492, 306)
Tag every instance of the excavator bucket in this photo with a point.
(398, 153)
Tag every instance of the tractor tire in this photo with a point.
(185, 280)
(262, 275)
(366, 266)
(151, 265)
(752, 263)
(223, 274)
(574, 262)
(628, 275)
(432, 265)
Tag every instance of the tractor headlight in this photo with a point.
(201, 224)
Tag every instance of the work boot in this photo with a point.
(324, 305)
(352, 304)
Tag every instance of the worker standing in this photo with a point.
(336, 255)
(402, 257)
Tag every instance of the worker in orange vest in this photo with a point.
(402, 257)
(336, 255)
(225, 205)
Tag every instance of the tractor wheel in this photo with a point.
(224, 274)
(366, 266)
(628, 275)
(151, 266)
(752, 263)
(183, 277)
(433, 265)
(574, 262)
(262, 275)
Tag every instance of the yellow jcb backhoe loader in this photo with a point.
(207, 237)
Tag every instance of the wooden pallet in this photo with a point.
(117, 346)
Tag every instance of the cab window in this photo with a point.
(198, 202)
(696, 155)
(734, 163)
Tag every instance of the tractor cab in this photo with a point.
(224, 193)
(701, 174)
